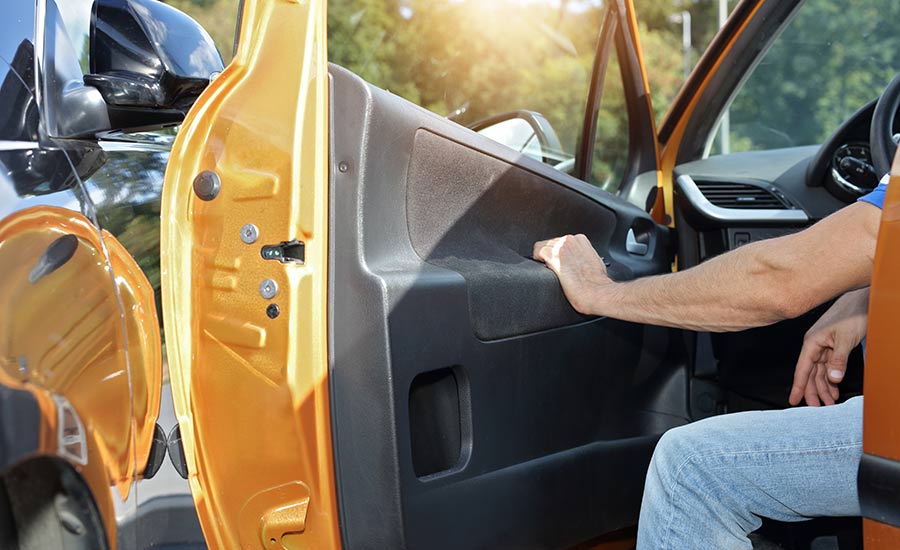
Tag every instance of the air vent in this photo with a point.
(742, 196)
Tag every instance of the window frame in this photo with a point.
(642, 142)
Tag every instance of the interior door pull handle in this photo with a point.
(634, 246)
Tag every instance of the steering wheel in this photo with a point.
(881, 133)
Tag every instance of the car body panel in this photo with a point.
(38, 180)
(881, 417)
(80, 361)
(658, 208)
(80, 350)
(250, 387)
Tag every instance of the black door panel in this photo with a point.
(472, 407)
(480, 216)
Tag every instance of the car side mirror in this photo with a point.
(149, 61)
(528, 132)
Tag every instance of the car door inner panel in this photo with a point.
(472, 406)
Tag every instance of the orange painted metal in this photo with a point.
(250, 391)
(879, 536)
(62, 338)
(881, 419)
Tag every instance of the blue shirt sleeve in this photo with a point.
(876, 197)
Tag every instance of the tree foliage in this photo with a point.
(471, 59)
(828, 62)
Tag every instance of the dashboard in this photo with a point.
(852, 169)
(843, 164)
(774, 191)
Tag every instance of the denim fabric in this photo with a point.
(710, 482)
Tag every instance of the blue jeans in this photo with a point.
(711, 482)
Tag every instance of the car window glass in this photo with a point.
(218, 17)
(612, 139)
(828, 61)
(76, 18)
(673, 37)
(471, 60)
(66, 46)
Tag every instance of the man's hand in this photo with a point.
(579, 268)
(826, 346)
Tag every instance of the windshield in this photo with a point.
(829, 61)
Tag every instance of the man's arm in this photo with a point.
(757, 284)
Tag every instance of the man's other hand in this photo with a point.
(577, 265)
(826, 347)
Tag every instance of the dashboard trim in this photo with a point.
(687, 186)
(846, 185)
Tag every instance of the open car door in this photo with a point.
(363, 353)
(472, 406)
(879, 470)
(244, 258)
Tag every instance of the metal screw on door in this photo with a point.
(249, 233)
(268, 289)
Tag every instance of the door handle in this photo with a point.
(636, 244)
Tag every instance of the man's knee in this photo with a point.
(678, 447)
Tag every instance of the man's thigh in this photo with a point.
(787, 465)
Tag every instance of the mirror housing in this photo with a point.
(149, 61)
(522, 130)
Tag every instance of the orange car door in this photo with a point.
(244, 245)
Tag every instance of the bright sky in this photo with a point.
(574, 6)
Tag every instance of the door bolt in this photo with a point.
(268, 289)
(249, 233)
(273, 311)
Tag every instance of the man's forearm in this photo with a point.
(755, 285)
(730, 292)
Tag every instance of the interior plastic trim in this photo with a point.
(688, 187)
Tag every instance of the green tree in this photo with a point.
(472, 59)
(817, 73)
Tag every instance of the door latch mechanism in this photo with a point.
(287, 252)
